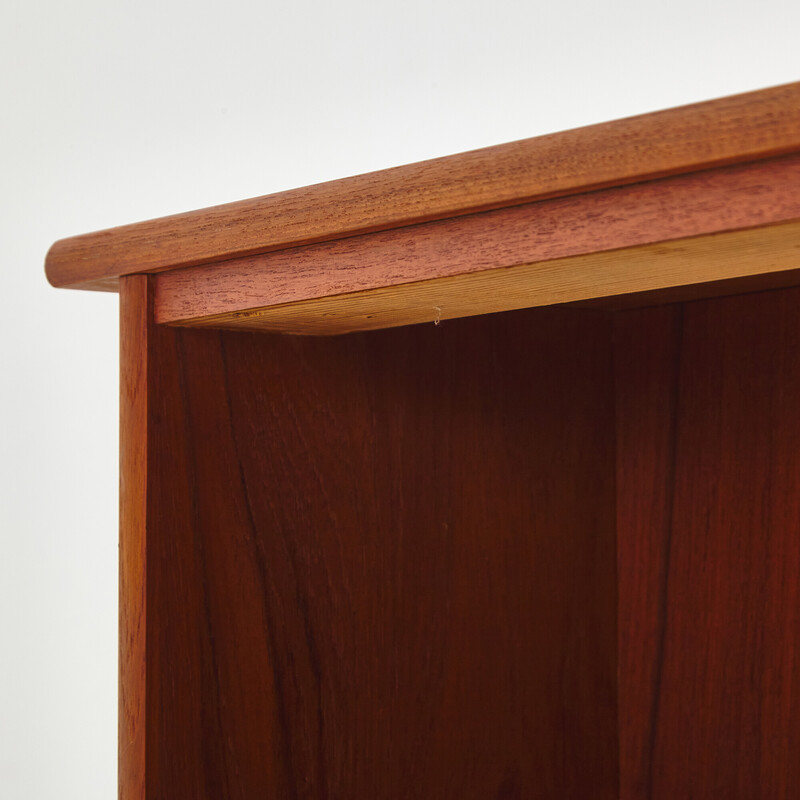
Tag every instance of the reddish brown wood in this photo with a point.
(648, 344)
(709, 548)
(382, 565)
(136, 308)
(735, 129)
(715, 201)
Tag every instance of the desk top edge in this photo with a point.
(739, 128)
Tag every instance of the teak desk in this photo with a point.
(547, 553)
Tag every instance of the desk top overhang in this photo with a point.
(706, 195)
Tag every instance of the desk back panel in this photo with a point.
(379, 565)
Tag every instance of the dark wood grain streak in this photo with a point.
(383, 565)
(746, 127)
(709, 202)
(647, 361)
(709, 548)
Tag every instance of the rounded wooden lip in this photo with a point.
(735, 129)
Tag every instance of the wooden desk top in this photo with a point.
(702, 193)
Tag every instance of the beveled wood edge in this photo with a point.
(740, 128)
(756, 253)
(713, 201)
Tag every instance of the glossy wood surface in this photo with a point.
(381, 565)
(746, 127)
(708, 486)
(718, 224)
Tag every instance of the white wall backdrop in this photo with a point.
(113, 112)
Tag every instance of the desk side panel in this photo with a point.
(136, 309)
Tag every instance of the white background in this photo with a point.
(113, 112)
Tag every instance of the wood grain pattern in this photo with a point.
(709, 548)
(507, 259)
(746, 127)
(765, 253)
(464, 561)
(383, 565)
(746, 284)
(647, 351)
(136, 307)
